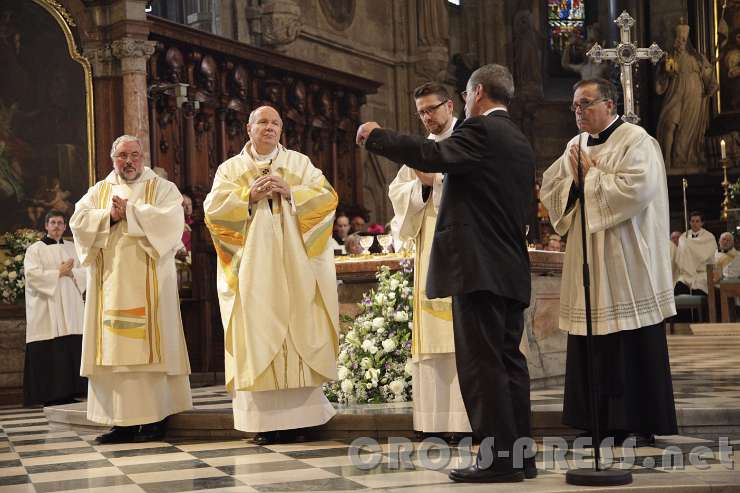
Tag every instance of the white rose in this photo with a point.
(408, 368)
(401, 317)
(366, 362)
(378, 322)
(369, 386)
(389, 345)
(12, 275)
(380, 331)
(380, 299)
(391, 297)
(394, 283)
(372, 349)
(19, 258)
(405, 283)
(7, 262)
(342, 372)
(351, 337)
(367, 324)
(372, 374)
(411, 325)
(347, 386)
(405, 292)
(367, 344)
(343, 356)
(396, 386)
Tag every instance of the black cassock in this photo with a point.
(51, 372)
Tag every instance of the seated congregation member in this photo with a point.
(55, 282)
(726, 260)
(270, 213)
(696, 249)
(127, 228)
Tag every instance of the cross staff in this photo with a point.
(626, 53)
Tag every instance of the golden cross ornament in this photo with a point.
(625, 54)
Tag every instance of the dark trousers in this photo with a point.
(493, 374)
(682, 288)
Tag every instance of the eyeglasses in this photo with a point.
(431, 109)
(584, 105)
(123, 156)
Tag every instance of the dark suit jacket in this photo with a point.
(479, 242)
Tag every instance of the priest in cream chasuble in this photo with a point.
(55, 282)
(270, 213)
(415, 196)
(127, 228)
(629, 256)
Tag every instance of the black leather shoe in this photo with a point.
(265, 438)
(529, 469)
(297, 435)
(473, 474)
(151, 432)
(641, 440)
(117, 434)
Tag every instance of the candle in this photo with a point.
(722, 149)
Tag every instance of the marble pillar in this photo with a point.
(133, 54)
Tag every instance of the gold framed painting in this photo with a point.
(46, 114)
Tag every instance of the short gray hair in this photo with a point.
(497, 82)
(726, 234)
(121, 140)
(253, 114)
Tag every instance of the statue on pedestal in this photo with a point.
(687, 80)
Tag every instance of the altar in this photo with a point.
(547, 344)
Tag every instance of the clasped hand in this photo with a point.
(65, 268)
(586, 162)
(268, 185)
(118, 208)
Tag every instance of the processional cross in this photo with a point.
(626, 53)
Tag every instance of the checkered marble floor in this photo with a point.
(42, 457)
(37, 457)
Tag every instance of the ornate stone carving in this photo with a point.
(132, 48)
(339, 13)
(100, 59)
(432, 63)
(433, 22)
(528, 43)
(280, 23)
(432, 38)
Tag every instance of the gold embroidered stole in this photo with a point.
(127, 285)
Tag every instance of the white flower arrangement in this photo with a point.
(374, 357)
(12, 280)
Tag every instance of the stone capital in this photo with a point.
(101, 59)
(280, 23)
(132, 48)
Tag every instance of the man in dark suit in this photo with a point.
(479, 257)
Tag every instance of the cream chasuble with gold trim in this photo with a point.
(132, 312)
(276, 277)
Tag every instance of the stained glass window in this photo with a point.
(564, 19)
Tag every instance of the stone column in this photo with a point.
(133, 54)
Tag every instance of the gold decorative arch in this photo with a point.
(66, 23)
